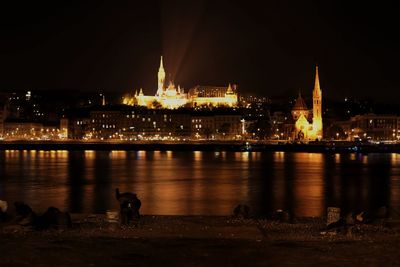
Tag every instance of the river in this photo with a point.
(201, 183)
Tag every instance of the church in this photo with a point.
(172, 97)
(308, 123)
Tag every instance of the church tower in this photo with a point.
(161, 78)
(317, 107)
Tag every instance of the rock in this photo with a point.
(112, 216)
(281, 216)
(340, 223)
(382, 213)
(333, 215)
(242, 211)
(364, 217)
(3, 206)
(3, 210)
(12, 229)
(27, 220)
(22, 209)
(350, 218)
(25, 215)
(52, 218)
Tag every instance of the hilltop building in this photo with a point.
(172, 97)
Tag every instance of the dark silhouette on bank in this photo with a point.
(130, 205)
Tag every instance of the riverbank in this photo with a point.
(201, 241)
(206, 145)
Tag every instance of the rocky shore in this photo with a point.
(201, 241)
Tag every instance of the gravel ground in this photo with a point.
(201, 241)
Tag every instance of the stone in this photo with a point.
(28, 220)
(241, 211)
(3, 210)
(364, 217)
(3, 206)
(22, 209)
(339, 223)
(281, 216)
(350, 218)
(112, 216)
(12, 229)
(54, 218)
(333, 215)
(382, 213)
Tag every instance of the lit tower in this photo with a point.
(317, 107)
(161, 79)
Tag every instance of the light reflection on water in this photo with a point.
(207, 183)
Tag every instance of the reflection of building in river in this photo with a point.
(308, 184)
(395, 181)
(186, 182)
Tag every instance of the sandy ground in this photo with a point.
(201, 241)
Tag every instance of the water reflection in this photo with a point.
(211, 183)
(308, 183)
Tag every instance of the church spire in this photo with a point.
(161, 64)
(229, 90)
(316, 84)
(161, 78)
(317, 107)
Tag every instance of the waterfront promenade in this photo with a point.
(203, 145)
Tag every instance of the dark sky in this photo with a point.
(267, 48)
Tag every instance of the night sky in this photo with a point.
(266, 48)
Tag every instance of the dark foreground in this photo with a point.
(201, 241)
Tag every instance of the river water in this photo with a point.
(201, 183)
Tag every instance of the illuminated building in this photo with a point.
(172, 97)
(371, 126)
(213, 96)
(220, 124)
(300, 108)
(2, 116)
(303, 128)
(63, 128)
(137, 123)
(17, 129)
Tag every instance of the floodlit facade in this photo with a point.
(303, 128)
(213, 96)
(2, 116)
(172, 97)
(372, 126)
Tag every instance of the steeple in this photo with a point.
(229, 91)
(317, 87)
(103, 100)
(161, 65)
(161, 79)
(317, 107)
